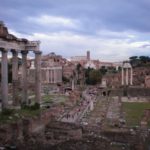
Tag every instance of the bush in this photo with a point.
(32, 107)
(93, 76)
(35, 106)
(7, 112)
(62, 103)
(65, 80)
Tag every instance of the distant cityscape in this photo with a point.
(50, 102)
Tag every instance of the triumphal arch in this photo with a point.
(17, 46)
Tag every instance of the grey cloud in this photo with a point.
(116, 15)
(145, 46)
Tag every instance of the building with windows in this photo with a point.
(51, 69)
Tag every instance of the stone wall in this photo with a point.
(132, 92)
(66, 136)
(20, 130)
(57, 132)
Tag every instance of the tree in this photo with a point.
(93, 76)
(78, 67)
(134, 60)
(103, 70)
(133, 57)
(144, 59)
(139, 61)
(65, 79)
(111, 69)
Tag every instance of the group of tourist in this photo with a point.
(80, 109)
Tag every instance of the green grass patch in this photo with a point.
(118, 147)
(29, 112)
(134, 111)
(48, 98)
(11, 115)
(54, 98)
(6, 115)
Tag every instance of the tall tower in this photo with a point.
(88, 55)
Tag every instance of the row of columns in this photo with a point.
(127, 76)
(15, 81)
(53, 75)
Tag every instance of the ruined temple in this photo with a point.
(9, 42)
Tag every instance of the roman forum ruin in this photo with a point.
(70, 112)
(10, 43)
(127, 74)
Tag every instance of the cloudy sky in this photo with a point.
(111, 29)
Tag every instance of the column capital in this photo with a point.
(38, 52)
(24, 52)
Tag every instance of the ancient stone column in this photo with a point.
(54, 75)
(122, 77)
(127, 76)
(4, 79)
(47, 75)
(56, 78)
(60, 77)
(15, 81)
(72, 84)
(38, 76)
(91, 105)
(24, 78)
(50, 76)
(131, 77)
